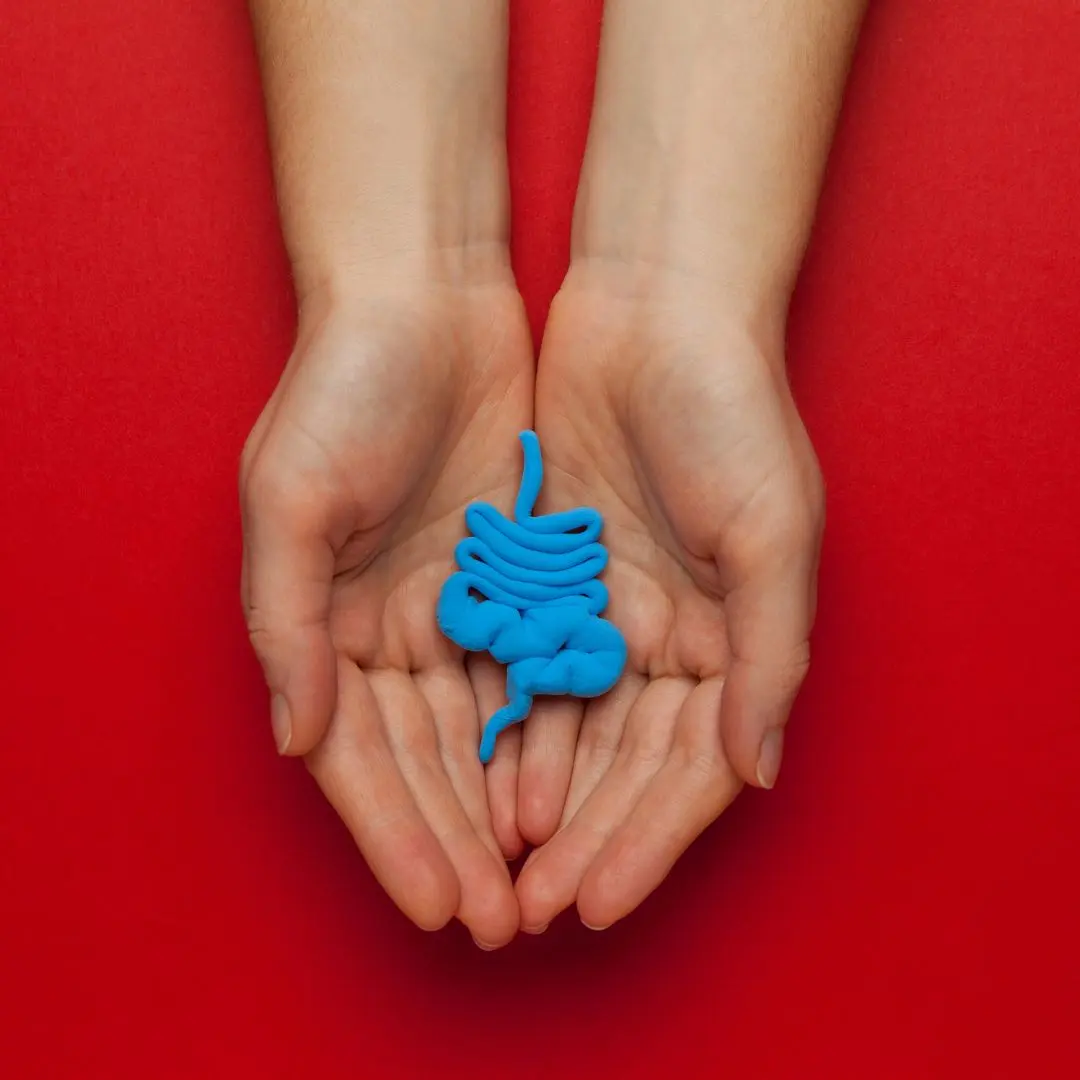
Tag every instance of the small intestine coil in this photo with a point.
(527, 592)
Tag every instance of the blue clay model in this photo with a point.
(527, 593)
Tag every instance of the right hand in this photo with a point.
(661, 407)
(400, 405)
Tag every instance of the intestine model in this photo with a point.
(527, 592)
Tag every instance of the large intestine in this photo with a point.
(527, 592)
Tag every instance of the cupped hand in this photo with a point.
(671, 414)
(400, 405)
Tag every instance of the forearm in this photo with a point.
(709, 137)
(387, 134)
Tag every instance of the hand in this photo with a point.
(399, 406)
(674, 420)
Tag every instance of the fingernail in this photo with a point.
(281, 722)
(535, 929)
(769, 757)
(589, 926)
(484, 945)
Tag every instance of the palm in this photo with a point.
(692, 462)
(386, 415)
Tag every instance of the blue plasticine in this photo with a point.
(540, 600)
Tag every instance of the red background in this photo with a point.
(176, 901)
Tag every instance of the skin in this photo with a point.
(660, 399)
(411, 377)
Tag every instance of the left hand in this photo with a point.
(674, 419)
(398, 408)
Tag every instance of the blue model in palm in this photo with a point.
(527, 592)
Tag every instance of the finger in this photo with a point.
(357, 772)
(601, 734)
(551, 880)
(598, 743)
(286, 581)
(548, 738)
(488, 906)
(689, 792)
(450, 699)
(769, 618)
(501, 775)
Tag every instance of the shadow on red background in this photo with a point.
(176, 901)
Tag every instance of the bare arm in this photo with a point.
(709, 136)
(661, 392)
(411, 374)
(711, 131)
(386, 127)
(387, 133)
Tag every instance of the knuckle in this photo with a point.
(257, 626)
(457, 740)
(799, 526)
(269, 637)
(260, 635)
(794, 672)
(599, 742)
(794, 532)
(707, 766)
(646, 754)
(814, 498)
(265, 487)
(419, 746)
(784, 523)
(248, 456)
(274, 480)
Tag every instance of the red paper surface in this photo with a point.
(177, 902)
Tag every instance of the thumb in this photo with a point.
(287, 576)
(769, 619)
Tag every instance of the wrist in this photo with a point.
(633, 302)
(647, 262)
(401, 241)
(417, 208)
(709, 137)
(655, 221)
(450, 281)
(387, 131)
